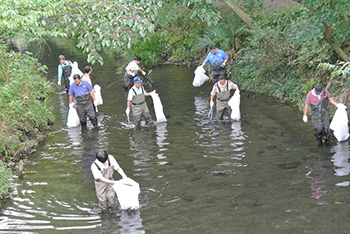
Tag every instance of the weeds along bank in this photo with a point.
(24, 113)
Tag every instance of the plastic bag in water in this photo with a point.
(128, 193)
(234, 103)
(158, 107)
(199, 77)
(73, 118)
(75, 70)
(339, 124)
(98, 96)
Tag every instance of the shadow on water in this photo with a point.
(263, 174)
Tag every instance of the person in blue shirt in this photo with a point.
(218, 59)
(64, 71)
(84, 95)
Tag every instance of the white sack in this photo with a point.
(234, 103)
(75, 70)
(128, 193)
(199, 77)
(339, 124)
(98, 96)
(158, 107)
(73, 118)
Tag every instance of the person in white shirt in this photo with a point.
(86, 75)
(131, 71)
(102, 170)
(222, 91)
(136, 98)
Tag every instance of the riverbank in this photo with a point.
(25, 115)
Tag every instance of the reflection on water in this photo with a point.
(340, 158)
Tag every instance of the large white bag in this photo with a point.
(158, 107)
(98, 96)
(128, 193)
(339, 124)
(75, 70)
(73, 118)
(199, 77)
(234, 103)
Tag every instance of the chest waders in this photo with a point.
(139, 108)
(217, 70)
(128, 81)
(86, 109)
(66, 72)
(222, 98)
(105, 193)
(320, 120)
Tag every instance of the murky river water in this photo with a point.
(261, 175)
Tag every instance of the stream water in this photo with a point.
(264, 174)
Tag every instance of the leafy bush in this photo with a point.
(24, 114)
(5, 175)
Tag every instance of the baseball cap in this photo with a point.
(137, 79)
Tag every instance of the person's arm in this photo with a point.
(203, 64)
(121, 172)
(105, 180)
(306, 108)
(60, 71)
(70, 99)
(92, 94)
(128, 103)
(331, 100)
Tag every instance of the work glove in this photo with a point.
(133, 74)
(211, 103)
(127, 111)
(71, 105)
(341, 105)
(223, 65)
(59, 83)
(305, 118)
(143, 73)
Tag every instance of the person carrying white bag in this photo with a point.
(158, 107)
(234, 103)
(339, 123)
(222, 91)
(199, 77)
(102, 170)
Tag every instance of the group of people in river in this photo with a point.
(104, 165)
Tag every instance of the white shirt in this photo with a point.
(215, 89)
(133, 67)
(97, 173)
(138, 91)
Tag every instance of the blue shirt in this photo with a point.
(219, 57)
(78, 90)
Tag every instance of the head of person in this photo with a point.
(137, 59)
(62, 59)
(137, 81)
(213, 49)
(88, 69)
(77, 79)
(318, 88)
(222, 79)
(102, 156)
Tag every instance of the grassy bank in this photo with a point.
(24, 114)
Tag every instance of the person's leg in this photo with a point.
(91, 113)
(82, 115)
(145, 113)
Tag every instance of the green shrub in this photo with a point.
(5, 174)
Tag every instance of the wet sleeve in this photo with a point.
(96, 173)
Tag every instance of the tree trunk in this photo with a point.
(240, 13)
(334, 46)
